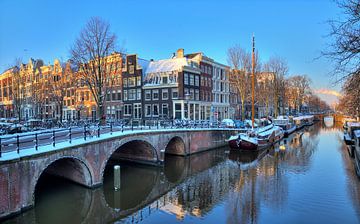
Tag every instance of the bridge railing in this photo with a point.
(21, 141)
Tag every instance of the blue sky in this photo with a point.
(292, 29)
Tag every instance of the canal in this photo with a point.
(312, 180)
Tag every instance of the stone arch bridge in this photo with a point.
(84, 163)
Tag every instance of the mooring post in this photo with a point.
(36, 141)
(84, 132)
(117, 182)
(53, 138)
(17, 144)
(69, 134)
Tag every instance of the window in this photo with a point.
(164, 80)
(108, 97)
(147, 110)
(138, 94)
(177, 111)
(202, 81)
(192, 80)
(165, 94)
(128, 109)
(175, 93)
(137, 110)
(186, 79)
(155, 109)
(196, 80)
(196, 94)
(192, 94)
(165, 110)
(113, 97)
(119, 95)
(132, 94)
(131, 82)
(125, 82)
(131, 69)
(155, 94)
(147, 94)
(186, 91)
(138, 81)
(125, 95)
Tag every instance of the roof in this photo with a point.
(167, 65)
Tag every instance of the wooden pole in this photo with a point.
(253, 82)
(117, 180)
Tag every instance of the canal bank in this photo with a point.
(311, 181)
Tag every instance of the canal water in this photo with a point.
(312, 180)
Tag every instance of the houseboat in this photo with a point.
(256, 140)
(299, 122)
(357, 151)
(286, 124)
(308, 120)
(349, 136)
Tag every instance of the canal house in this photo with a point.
(132, 75)
(172, 89)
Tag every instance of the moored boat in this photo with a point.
(278, 134)
(254, 140)
(308, 120)
(349, 136)
(357, 151)
(285, 123)
(299, 122)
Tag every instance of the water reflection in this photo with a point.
(311, 177)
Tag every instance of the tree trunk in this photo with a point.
(102, 119)
(242, 111)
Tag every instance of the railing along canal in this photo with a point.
(18, 142)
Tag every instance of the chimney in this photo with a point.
(180, 53)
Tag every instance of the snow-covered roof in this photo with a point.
(166, 65)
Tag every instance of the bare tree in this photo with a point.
(91, 53)
(344, 47)
(279, 68)
(298, 88)
(265, 90)
(17, 88)
(240, 61)
(350, 102)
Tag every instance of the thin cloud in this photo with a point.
(328, 92)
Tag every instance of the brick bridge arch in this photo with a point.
(132, 144)
(72, 168)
